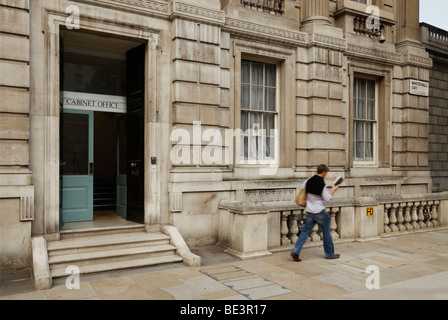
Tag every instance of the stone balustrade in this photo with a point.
(271, 6)
(434, 36)
(253, 229)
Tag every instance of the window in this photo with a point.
(364, 120)
(362, 1)
(258, 111)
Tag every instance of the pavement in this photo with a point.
(404, 267)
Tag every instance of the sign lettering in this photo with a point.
(93, 102)
(419, 88)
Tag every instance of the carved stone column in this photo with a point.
(316, 12)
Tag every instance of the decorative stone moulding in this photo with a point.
(188, 11)
(26, 196)
(140, 6)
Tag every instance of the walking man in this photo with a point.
(317, 195)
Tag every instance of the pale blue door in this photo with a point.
(77, 165)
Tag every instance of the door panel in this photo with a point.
(135, 133)
(122, 164)
(77, 166)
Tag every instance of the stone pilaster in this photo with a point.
(321, 116)
(16, 192)
(410, 111)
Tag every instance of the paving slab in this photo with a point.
(411, 266)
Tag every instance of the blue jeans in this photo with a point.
(323, 220)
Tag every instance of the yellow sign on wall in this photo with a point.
(370, 212)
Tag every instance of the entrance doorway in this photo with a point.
(101, 128)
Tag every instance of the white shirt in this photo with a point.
(314, 203)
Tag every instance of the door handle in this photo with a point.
(133, 164)
(91, 168)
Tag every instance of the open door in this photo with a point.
(135, 70)
(77, 165)
(122, 164)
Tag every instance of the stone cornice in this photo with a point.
(197, 13)
(138, 6)
(263, 32)
(369, 53)
(327, 41)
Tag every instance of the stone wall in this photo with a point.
(438, 128)
(16, 194)
(435, 41)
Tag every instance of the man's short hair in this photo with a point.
(322, 168)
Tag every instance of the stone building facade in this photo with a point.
(435, 41)
(236, 101)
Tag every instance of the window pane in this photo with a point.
(245, 97)
(257, 98)
(75, 144)
(370, 90)
(371, 110)
(255, 118)
(270, 75)
(268, 122)
(359, 151)
(244, 148)
(361, 109)
(368, 131)
(369, 151)
(361, 88)
(269, 148)
(245, 71)
(94, 74)
(257, 73)
(359, 131)
(244, 121)
(270, 96)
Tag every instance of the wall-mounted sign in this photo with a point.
(370, 212)
(419, 88)
(93, 102)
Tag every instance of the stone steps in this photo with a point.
(110, 251)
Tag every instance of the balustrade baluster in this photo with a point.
(400, 218)
(428, 221)
(284, 230)
(265, 5)
(393, 218)
(276, 6)
(294, 228)
(271, 6)
(333, 225)
(421, 218)
(434, 214)
(386, 218)
(414, 216)
(407, 216)
(314, 237)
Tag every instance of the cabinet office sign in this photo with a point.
(419, 88)
(93, 102)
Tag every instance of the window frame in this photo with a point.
(374, 162)
(251, 161)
